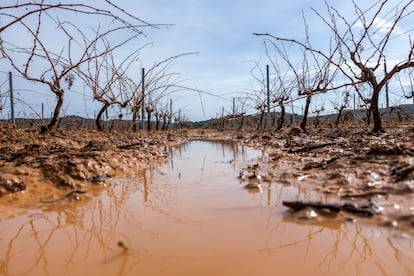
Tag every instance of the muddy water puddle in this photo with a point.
(194, 216)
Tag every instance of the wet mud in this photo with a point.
(245, 203)
(373, 175)
(64, 165)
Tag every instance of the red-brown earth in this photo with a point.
(355, 175)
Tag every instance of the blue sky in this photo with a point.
(222, 34)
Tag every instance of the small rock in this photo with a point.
(10, 183)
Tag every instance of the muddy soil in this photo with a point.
(71, 165)
(351, 175)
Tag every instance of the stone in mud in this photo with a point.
(114, 163)
(65, 182)
(403, 171)
(99, 178)
(307, 215)
(10, 184)
(78, 171)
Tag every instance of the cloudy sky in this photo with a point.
(221, 32)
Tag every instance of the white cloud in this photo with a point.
(382, 26)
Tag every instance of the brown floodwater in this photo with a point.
(193, 216)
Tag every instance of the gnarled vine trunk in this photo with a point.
(54, 120)
(376, 116)
(281, 119)
(98, 120)
(305, 113)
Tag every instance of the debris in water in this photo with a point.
(361, 211)
(123, 245)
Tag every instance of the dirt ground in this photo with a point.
(352, 175)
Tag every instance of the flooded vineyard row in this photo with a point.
(205, 212)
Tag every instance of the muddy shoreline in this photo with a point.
(72, 165)
(349, 169)
(341, 167)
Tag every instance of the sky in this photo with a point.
(220, 32)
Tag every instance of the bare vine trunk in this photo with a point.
(157, 122)
(376, 116)
(164, 122)
(338, 118)
(134, 119)
(149, 121)
(56, 113)
(305, 113)
(281, 120)
(98, 120)
(261, 120)
(241, 123)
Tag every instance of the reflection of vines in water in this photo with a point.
(178, 150)
(273, 229)
(226, 147)
(42, 255)
(78, 232)
(280, 192)
(159, 195)
(360, 246)
(81, 232)
(398, 255)
(23, 234)
(355, 246)
(85, 232)
(230, 148)
(7, 257)
(359, 243)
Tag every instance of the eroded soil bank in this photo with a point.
(36, 168)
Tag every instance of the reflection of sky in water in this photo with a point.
(202, 176)
(192, 216)
(202, 160)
